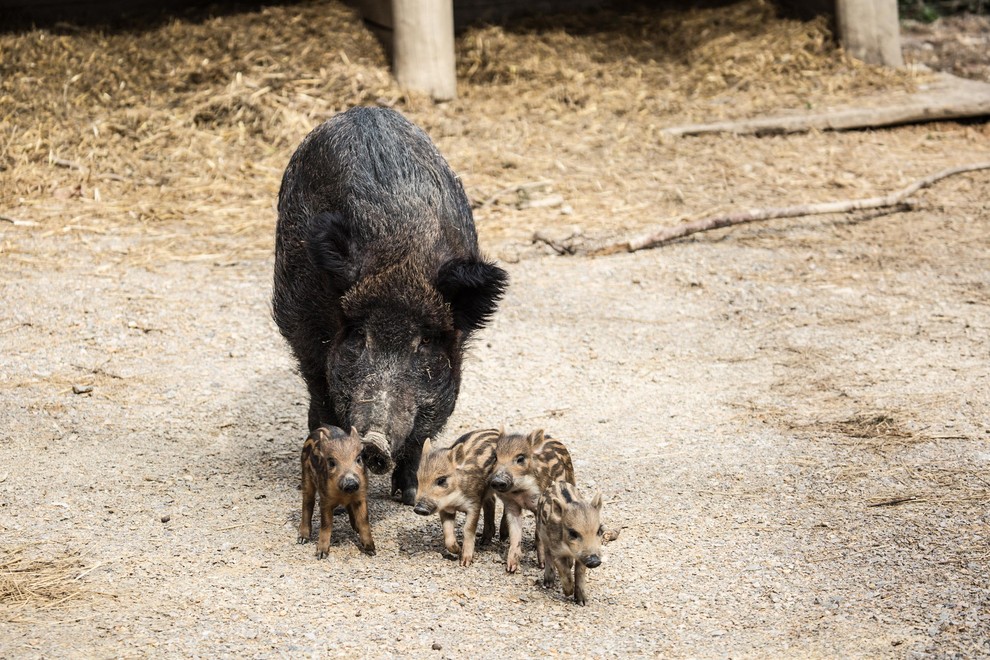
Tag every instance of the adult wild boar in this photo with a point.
(378, 283)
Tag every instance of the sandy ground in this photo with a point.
(788, 421)
(741, 399)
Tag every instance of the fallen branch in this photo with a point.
(948, 97)
(895, 199)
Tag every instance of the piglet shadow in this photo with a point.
(426, 538)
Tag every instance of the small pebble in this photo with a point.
(82, 389)
(166, 518)
(436, 646)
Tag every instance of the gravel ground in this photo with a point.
(752, 403)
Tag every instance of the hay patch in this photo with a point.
(179, 132)
(37, 585)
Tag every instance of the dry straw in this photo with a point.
(180, 130)
(30, 586)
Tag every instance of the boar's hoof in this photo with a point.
(409, 496)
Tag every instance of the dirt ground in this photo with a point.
(788, 421)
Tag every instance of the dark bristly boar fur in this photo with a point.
(332, 464)
(379, 282)
(569, 535)
(525, 466)
(455, 478)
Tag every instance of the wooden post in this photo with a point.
(869, 30)
(423, 55)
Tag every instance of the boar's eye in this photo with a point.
(573, 534)
(442, 482)
(520, 459)
(424, 343)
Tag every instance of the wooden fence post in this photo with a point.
(423, 41)
(869, 30)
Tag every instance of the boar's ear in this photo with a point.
(473, 289)
(330, 249)
(596, 502)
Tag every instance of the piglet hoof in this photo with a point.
(579, 597)
(467, 559)
(302, 539)
(452, 551)
(511, 567)
(369, 550)
(322, 554)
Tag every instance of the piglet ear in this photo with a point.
(596, 502)
(427, 446)
(458, 454)
(536, 438)
(312, 452)
(330, 249)
(473, 289)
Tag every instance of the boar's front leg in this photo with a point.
(404, 475)
(319, 399)
(447, 521)
(358, 512)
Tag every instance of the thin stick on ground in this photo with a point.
(895, 199)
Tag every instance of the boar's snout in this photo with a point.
(377, 455)
(349, 484)
(424, 508)
(592, 561)
(502, 482)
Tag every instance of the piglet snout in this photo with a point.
(501, 482)
(423, 508)
(592, 561)
(349, 484)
